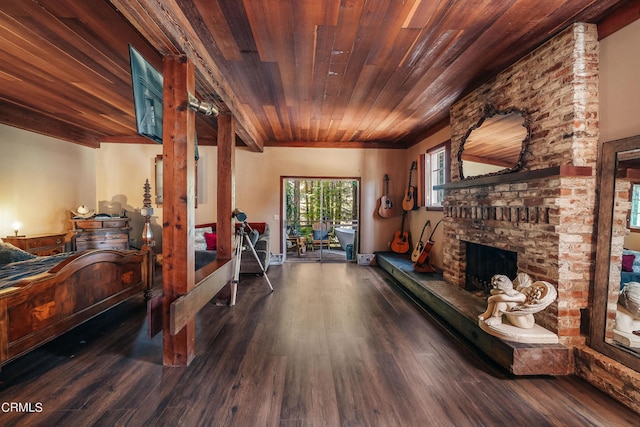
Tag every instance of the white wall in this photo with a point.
(44, 177)
(41, 180)
(258, 177)
(620, 84)
(121, 172)
(122, 169)
(418, 218)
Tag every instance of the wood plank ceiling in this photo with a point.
(365, 73)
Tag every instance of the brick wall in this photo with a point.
(549, 222)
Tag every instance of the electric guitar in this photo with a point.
(420, 245)
(421, 263)
(400, 243)
(386, 204)
(409, 202)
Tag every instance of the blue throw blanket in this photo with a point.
(12, 273)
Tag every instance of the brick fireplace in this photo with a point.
(545, 213)
(482, 262)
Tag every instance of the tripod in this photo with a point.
(241, 236)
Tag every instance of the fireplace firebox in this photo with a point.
(483, 262)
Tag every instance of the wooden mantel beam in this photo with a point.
(165, 26)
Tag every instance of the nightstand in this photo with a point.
(39, 244)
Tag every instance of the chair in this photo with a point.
(320, 235)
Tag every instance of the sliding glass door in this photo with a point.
(321, 219)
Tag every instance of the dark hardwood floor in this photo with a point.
(334, 345)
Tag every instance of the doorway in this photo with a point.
(320, 219)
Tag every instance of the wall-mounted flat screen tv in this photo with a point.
(147, 96)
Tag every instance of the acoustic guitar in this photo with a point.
(421, 264)
(400, 243)
(420, 245)
(385, 210)
(410, 202)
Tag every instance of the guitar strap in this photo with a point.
(434, 229)
(426, 224)
(426, 267)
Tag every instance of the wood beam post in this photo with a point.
(226, 184)
(178, 256)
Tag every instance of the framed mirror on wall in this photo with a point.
(159, 186)
(615, 320)
(495, 145)
(158, 164)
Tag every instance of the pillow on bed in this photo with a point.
(636, 261)
(212, 241)
(9, 254)
(627, 262)
(200, 243)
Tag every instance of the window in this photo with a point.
(634, 215)
(437, 173)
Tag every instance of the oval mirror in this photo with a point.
(495, 145)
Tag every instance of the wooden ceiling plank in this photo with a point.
(171, 21)
(215, 20)
(308, 61)
(64, 76)
(386, 43)
(621, 18)
(307, 15)
(341, 50)
(274, 121)
(24, 118)
(324, 44)
(272, 27)
(103, 31)
(137, 14)
(63, 99)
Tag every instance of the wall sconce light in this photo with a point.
(202, 107)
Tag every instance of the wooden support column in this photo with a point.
(178, 256)
(226, 184)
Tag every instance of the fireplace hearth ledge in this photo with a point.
(460, 309)
(535, 335)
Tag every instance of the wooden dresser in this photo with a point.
(39, 244)
(98, 233)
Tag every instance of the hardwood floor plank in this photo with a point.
(333, 345)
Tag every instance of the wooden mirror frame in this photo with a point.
(489, 112)
(600, 290)
(158, 179)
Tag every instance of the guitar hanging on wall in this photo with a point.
(410, 202)
(400, 243)
(385, 210)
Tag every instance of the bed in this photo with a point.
(44, 297)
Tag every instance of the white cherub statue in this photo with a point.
(628, 315)
(517, 301)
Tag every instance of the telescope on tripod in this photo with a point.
(242, 239)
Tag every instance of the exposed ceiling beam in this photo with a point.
(23, 118)
(336, 144)
(165, 26)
